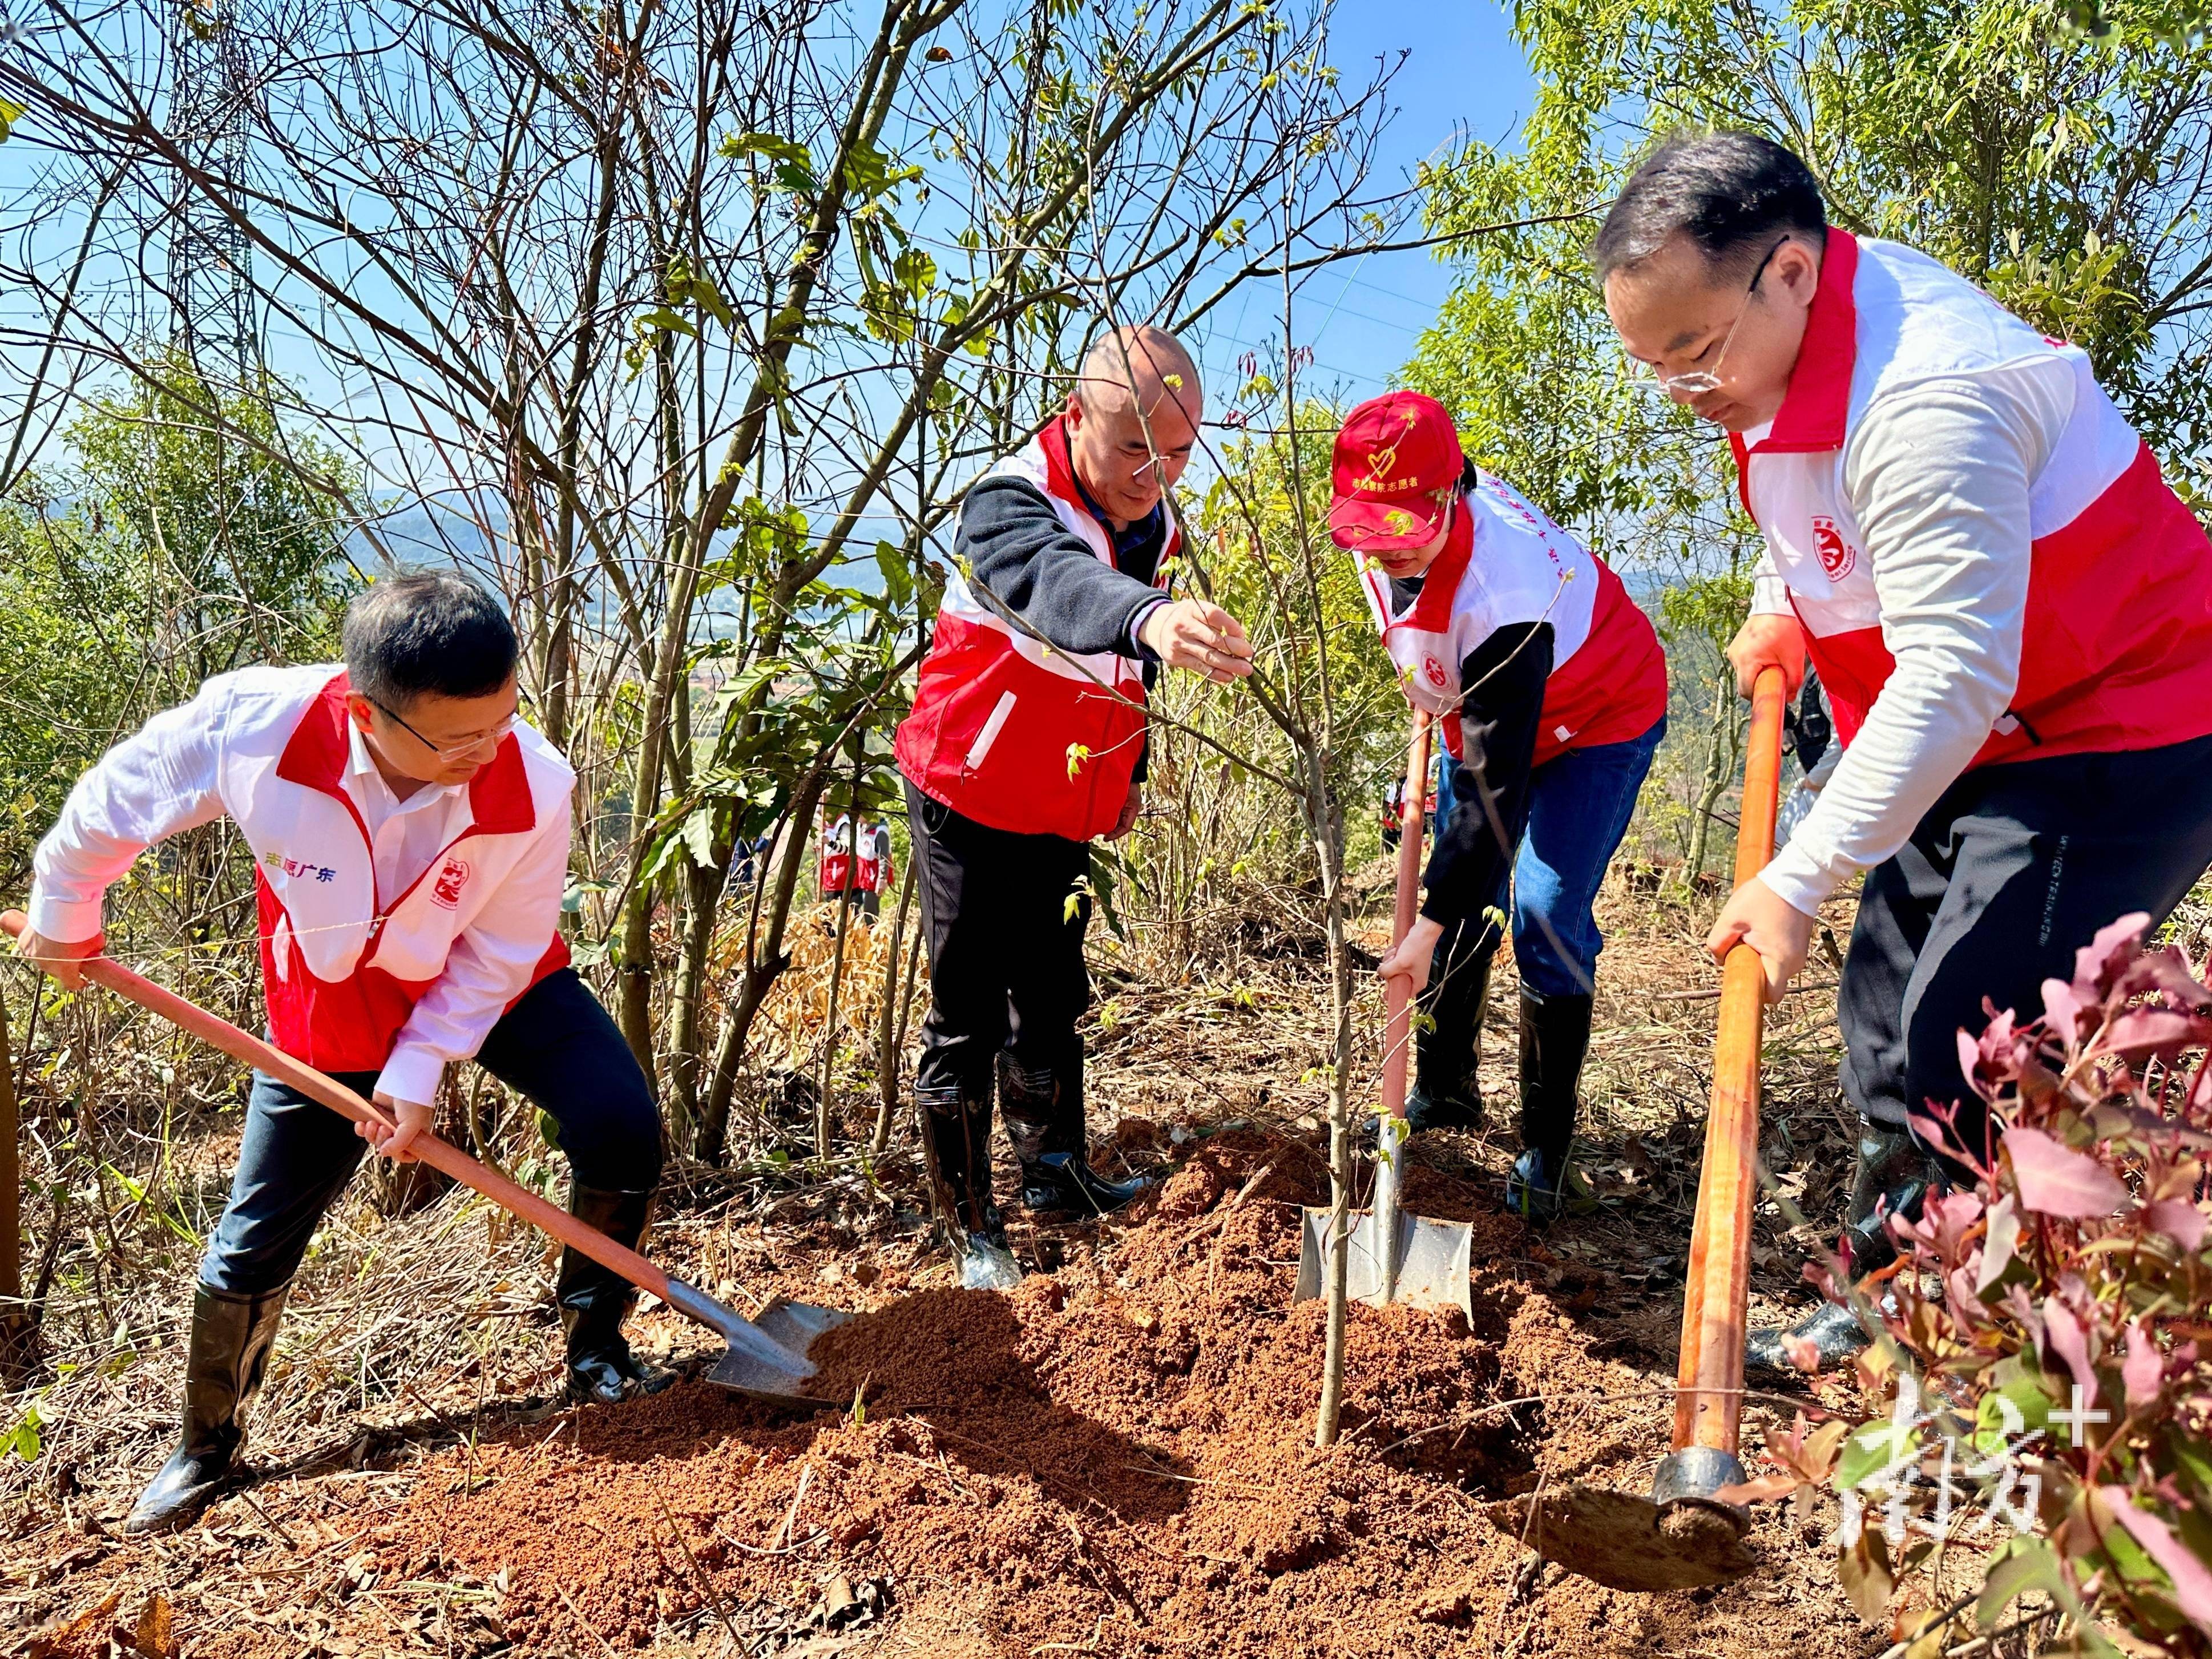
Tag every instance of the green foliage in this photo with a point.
(1709, 608)
(179, 536)
(67, 626)
(829, 686)
(23, 1440)
(237, 523)
(1261, 526)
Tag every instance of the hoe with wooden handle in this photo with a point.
(767, 1359)
(1683, 1535)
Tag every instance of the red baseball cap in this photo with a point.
(1396, 464)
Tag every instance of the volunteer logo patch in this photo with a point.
(445, 891)
(1838, 557)
(1434, 671)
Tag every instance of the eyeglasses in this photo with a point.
(451, 751)
(1699, 381)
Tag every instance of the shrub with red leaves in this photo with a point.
(2047, 1386)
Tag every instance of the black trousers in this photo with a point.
(2014, 869)
(557, 1046)
(1006, 950)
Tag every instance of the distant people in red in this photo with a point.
(856, 859)
(836, 872)
(873, 874)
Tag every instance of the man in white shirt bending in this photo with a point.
(2010, 609)
(410, 836)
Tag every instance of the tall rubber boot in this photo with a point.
(1891, 1176)
(1046, 1128)
(229, 1350)
(956, 1138)
(594, 1301)
(1447, 1046)
(1554, 1038)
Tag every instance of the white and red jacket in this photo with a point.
(867, 862)
(2115, 650)
(835, 873)
(1011, 731)
(1504, 563)
(356, 979)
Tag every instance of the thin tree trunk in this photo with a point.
(891, 1026)
(763, 968)
(829, 1037)
(906, 996)
(11, 1186)
(837, 962)
(706, 887)
(1717, 768)
(1328, 843)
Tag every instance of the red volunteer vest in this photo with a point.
(340, 977)
(837, 856)
(1506, 563)
(2116, 652)
(1007, 730)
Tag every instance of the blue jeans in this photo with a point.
(557, 1047)
(1579, 806)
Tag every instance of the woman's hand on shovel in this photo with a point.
(411, 1120)
(1410, 957)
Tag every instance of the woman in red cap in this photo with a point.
(1550, 692)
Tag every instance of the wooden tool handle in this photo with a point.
(438, 1154)
(1708, 1382)
(1397, 991)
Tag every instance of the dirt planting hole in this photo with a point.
(1128, 1439)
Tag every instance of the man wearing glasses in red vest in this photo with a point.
(410, 835)
(2010, 609)
(1027, 740)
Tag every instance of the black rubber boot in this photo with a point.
(230, 1342)
(595, 1300)
(1448, 1046)
(957, 1121)
(1046, 1128)
(1892, 1175)
(1554, 1037)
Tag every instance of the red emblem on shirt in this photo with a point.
(445, 891)
(1435, 670)
(1837, 555)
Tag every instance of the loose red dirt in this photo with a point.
(1115, 1459)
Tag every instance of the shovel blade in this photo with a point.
(1433, 1260)
(776, 1371)
(1629, 1542)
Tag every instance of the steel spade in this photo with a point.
(1393, 1256)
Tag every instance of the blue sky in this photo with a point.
(1465, 75)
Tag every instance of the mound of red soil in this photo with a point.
(1116, 1460)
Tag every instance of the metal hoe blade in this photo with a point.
(1629, 1542)
(1681, 1537)
(767, 1359)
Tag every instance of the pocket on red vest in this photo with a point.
(1022, 749)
